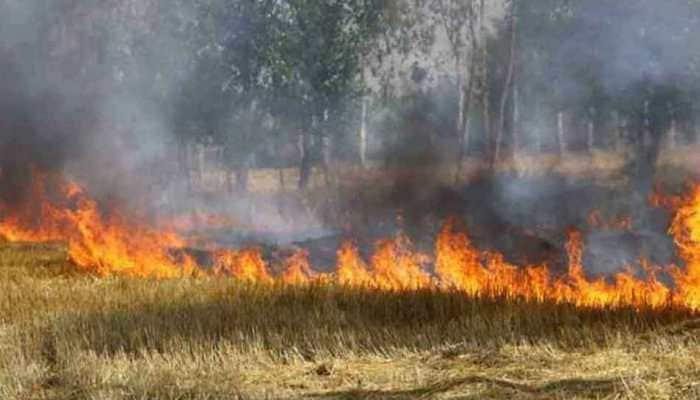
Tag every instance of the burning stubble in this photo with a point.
(122, 244)
(77, 115)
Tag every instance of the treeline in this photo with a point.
(281, 82)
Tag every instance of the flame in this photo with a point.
(109, 245)
(457, 263)
(351, 269)
(297, 268)
(395, 266)
(247, 265)
(115, 242)
(625, 290)
(685, 229)
(32, 222)
(102, 244)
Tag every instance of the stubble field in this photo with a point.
(66, 335)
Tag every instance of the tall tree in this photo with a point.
(459, 19)
(628, 59)
(319, 57)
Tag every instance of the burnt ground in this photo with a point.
(527, 220)
(524, 218)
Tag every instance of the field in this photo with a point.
(66, 335)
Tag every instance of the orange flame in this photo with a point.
(351, 269)
(98, 243)
(625, 290)
(297, 269)
(457, 263)
(247, 265)
(116, 243)
(395, 266)
(685, 229)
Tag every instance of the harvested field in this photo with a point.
(66, 335)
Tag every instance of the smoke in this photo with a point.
(651, 43)
(80, 97)
(109, 93)
(100, 91)
(595, 59)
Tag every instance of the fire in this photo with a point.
(395, 266)
(112, 244)
(626, 288)
(99, 243)
(685, 229)
(457, 262)
(297, 269)
(35, 221)
(462, 267)
(109, 243)
(247, 265)
(351, 269)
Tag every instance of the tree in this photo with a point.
(628, 59)
(512, 19)
(246, 37)
(317, 60)
(459, 19)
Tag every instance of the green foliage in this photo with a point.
(321, 49)
(289, 62)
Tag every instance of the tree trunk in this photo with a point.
(486, 117)
(363, 133)
(183, 164)
(463, 136)
(537, 131)
(506, 87)
(644, 167)
(516, 120)
(466, 138)
(646, 139)
(305, 164)
(230, 179)
(590, 142)
(326, 147)
(474, 18)
(243, 171)
(561, 134)
(280, 198)
(242, 175)
(460, 103)
(201, 152)
(282, 182)
(673, 135)
(617, 133)
(464, 126)
(484, 86)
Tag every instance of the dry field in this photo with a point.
(576, 164)
(65, 335)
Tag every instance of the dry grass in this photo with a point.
(266, 181)
(70, 336)
(601, 163)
